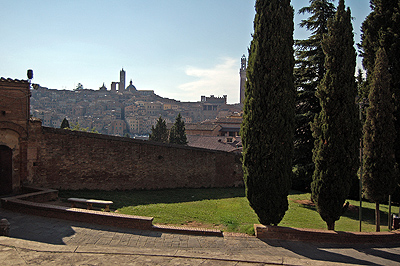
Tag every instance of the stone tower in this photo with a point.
(242, 72)
(122, 80)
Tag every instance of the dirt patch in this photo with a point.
(351, 208)
(305, 202)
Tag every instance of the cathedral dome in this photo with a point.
(131, 87)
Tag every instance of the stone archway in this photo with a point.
(6, 186)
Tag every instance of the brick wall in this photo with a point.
(63, 159)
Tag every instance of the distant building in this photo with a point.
(122, 76)
(214, 100)
(220, 143)
(242, 72)
(131, 87)
(225, 126)
(114, 86)
(103, 88)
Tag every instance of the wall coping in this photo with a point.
(324, 236)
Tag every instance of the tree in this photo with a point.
(177, 134)
(336, 128)
(159, 132)
(381, 29)
(379, 134)
(268, 120)
(79, 86)
(78, 127)
(64, 124)
(309, 71)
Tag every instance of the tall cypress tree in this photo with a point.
(268, 120)
(159, 132)
(379, 133)
(177, 134)
(309, 71)
(336, 129)
(381, 29)
(64, 124)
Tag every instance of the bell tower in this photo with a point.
(122, 80)
(242, 72)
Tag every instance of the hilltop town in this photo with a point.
(122, 111)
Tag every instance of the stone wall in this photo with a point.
(63, 159)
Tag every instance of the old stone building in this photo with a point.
(14, 133)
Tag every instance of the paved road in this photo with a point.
(37, 240)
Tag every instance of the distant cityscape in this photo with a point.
(126, 110)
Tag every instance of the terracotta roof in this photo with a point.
(230, 120)
(13, 80)
(215, 143)
(206, 127)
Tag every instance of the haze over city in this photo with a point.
(180, 49)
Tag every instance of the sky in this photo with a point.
(181, 49)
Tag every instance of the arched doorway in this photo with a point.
(5, 170)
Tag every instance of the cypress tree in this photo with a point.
(268, 120)
(379, 133)
(336, 128)
(381, 29)
(309, 71)
(64, 123)
(159, 132)
(177, 134)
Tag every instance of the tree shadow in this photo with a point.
(146, 197)
(368, 215)
(337, 253)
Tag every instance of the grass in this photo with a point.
(226, 209)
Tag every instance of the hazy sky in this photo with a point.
(181, 49)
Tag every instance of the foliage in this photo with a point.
(79, 87)
(177, 134)
(309, 71)
(64, 124)
(379, 162)
(381, 29)
(336, 129)
(159, 132)
(268, 120)
(78, 127)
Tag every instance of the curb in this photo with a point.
(324, 236)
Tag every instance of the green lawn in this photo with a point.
(226, 209)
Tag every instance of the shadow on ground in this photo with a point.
(135, 198)
(336, 252)
(55, 231)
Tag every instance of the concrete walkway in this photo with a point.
(37, 240)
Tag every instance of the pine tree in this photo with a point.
(381, 29)
(309, 71)
(268, 120)
(159, 132)
(336, 129)
(177, 134)
(379, 133)
(64, 123)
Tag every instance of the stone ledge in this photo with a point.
(21, 204)
(75, 214)
(187, 231)
(324, 236)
